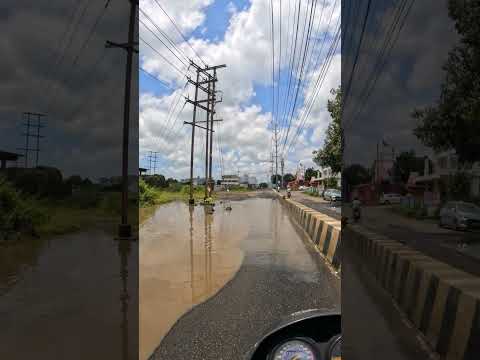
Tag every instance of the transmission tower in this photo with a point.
(32, 122)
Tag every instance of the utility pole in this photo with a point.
(27, 117)
(207, 135)
(191, 201)
(125, 229)
(282, 164)
(155, 153)
(210, 111)
(276, 155)
(214, 98)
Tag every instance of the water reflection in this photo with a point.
(186, 255)
(65, 300)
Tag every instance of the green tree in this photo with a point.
(405, 163)
(309, 173)
(156, 180)
(276, 179)
(331, 153)
(263, 185)
(453, 122)
(356, 174)
(287, 178)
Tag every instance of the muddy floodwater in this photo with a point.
(71, 297)
(186, 255)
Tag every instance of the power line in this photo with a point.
(180, 32)
(168, 48)
(80, 51)
(384, 54)
(164, 34)
(312, 12)
(163, 57)
(157, 79)
(317, 87)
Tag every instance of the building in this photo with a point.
(230, 181)
(8, 156)
(383, 164)
(439, 170)
(325, 174)
(248, 181)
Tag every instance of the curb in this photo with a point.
(324, 231)
(442, 302)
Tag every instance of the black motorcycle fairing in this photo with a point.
(316, 324)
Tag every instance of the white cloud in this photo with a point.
(246, 50)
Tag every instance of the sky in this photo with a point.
(58, 65)
(236, 33)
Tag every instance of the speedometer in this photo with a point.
(294, 350)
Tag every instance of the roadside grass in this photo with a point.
(151, 197)
(23, 216)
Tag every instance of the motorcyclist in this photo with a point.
(356, 207)
(288, 193)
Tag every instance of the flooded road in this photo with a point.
(243, 269)
(72, 297)
(186, 256)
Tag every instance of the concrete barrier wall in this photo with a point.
(440, 301)
(323, 231)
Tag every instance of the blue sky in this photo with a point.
(247, 102)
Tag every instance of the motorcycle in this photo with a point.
(289, 194)
(306, 335)
(356, 214)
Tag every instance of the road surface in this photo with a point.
(425, 236)
(331, 209)
(279, 273)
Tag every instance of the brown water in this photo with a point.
(72, 297)
(186, 256)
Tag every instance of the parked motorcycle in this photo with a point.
(305, 335)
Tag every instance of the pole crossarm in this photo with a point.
(204, 121)
(125, 46)
(197, 84)
(199, 126)
(200, 106)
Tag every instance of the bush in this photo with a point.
(18, 213)
(146, 193)
(41, 181)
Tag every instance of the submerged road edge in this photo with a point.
(322, 230)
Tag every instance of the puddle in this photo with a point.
(186, 256)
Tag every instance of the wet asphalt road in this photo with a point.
(333, 210)
(432, 241)
(280, 274)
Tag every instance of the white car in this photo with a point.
(390, 198)
(302, 188)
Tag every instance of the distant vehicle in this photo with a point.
(390, 198)
(460, 215)
(332, 195)
(301, 187)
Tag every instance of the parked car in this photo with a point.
(332, 195)
(390, 198)
(460, 215)
(302, 187)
